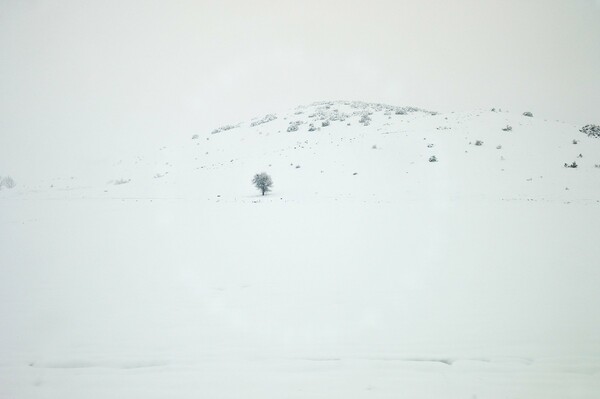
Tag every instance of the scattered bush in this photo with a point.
(433, 158)
(195, 137)
(121, 181)
(325, 123)
(267, 118)
(499, 147)
(591, 130)
(311, 128)
(263, 182)
(7, 182)
(575, 141)
(365, 119)
(479, 143)
(508, 128)
(293, 127)
(573, 165)
(527, 113)
(223, 129)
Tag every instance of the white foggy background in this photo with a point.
(81, 81)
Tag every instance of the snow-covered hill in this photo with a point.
(356, 151)
(367, 271)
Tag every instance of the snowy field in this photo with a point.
(368, 271)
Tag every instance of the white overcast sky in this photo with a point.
(79, 79)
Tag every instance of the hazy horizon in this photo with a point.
(79, 79)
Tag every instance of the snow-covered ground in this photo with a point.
(368, 271)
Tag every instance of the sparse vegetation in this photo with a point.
(365, 119)
(293, 127)
(478, 143)
(508, 128)
(7, 182)
(591, 130)
(433, 158)
(223, 129)
(527, 113)
(267, 118)
(573, 165)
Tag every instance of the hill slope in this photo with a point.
(358, 151)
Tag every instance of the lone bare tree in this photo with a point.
(263, 182)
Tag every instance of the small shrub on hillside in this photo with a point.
(325, 123)
(223, 129)
(508, 128)
(573, 165)
(527, 113)
(591, 130)
(293, 127)
(7, 182)
(267, 118)
(365, 120)
(479, 143)
(575, 141)
(433, 158)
